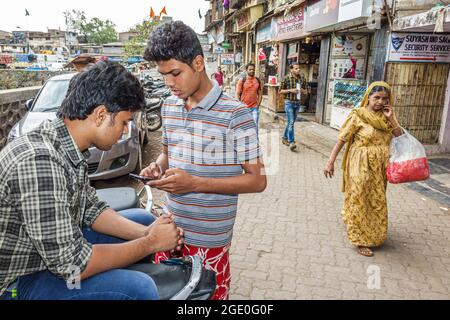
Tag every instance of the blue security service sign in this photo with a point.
(419, 47)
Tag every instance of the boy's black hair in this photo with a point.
(173, 40)
(108, 84)
(291, 66)
(251, 64)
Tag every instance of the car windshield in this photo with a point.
(51, 97)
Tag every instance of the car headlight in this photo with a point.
(14, 133)
(126, 136)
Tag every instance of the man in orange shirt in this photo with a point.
(249, 91)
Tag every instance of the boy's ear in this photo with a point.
(199, 63)
(99, 115)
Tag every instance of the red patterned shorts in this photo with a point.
(215, 259)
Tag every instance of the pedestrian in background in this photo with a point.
(218, 75)
(249, 91)
(81, 62)
(367, 132)
(292, 87)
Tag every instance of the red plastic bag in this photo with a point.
(408, 161)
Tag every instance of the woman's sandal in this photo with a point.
(365, 251)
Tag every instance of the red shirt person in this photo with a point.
(218, 75)
(249, 91)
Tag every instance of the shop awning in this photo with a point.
(435, 20)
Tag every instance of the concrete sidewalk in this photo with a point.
(290, 241)
(322, 139)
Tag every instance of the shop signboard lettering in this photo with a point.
(227, 59)
(322, 13)
(419, 47)
(290, 26)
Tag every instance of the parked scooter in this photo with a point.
(153, 117)
(149, 83)
(175, 279)
(154, 100)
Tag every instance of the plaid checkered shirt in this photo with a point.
(290, 82)
(45, 201)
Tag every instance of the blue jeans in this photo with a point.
(291, 108)
(255, 115)
(116, 284)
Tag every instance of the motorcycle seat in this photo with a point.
(170, 279)
(119, 198)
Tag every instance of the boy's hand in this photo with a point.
(175, 181)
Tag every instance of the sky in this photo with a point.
(125, 14)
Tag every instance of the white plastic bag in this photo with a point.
(408, 161)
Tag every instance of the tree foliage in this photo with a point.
(94, 30)
(135, 46)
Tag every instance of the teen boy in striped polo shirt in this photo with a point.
(211, 151)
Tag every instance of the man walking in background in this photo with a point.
(249, 91)
(293, 86)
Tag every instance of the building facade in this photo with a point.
(342, 46)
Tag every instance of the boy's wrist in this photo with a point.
(196, 183)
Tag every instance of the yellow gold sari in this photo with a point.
(367, 135)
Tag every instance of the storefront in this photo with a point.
(235, 39)
(418, 67)
(344, 57)
(347, 75)
(266, 62)
(245, 20)
(295, 45)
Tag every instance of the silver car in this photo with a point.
(124, 157)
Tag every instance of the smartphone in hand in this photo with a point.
(142, 179)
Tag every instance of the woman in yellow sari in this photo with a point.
(367, 132)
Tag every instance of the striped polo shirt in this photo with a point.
(212, 140)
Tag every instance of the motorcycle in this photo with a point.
(175, 279)
(149, 83)
(154, 100)
(153, 119)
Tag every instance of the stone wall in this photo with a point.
(12, 79)
(12, 108)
